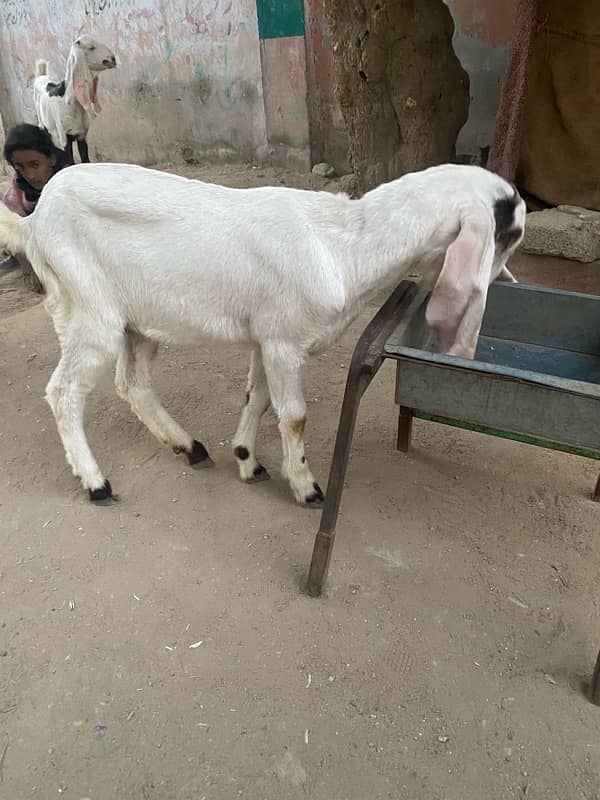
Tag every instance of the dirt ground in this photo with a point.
(164, 649)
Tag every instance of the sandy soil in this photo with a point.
(448, 660)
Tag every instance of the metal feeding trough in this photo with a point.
(535, 379)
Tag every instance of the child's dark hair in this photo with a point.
(28, 137)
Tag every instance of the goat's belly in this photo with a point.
(178, 327)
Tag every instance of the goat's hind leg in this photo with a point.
(78, 370)
(69, 150)
(283, 367)
(258, 400)
(133, 383)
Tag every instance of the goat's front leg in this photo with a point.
(258, 400)
(82, 147)
(283, 367)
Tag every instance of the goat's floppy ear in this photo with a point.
(455, 310)
(79, 79)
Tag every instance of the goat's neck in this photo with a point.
(69, 97)
(387, 236)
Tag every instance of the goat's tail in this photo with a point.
(41, 68)
(14, 230)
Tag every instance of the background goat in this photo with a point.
(66, 109)
(131, 257)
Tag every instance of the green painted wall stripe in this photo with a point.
(278, 18)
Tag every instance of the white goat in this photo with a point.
(66, 109)
(131, 257)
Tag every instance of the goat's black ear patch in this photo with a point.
(507, 232)
(504, 214)
(56, 89)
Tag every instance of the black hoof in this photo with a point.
(103, 496)
(316, 499)
(259, 474)
(199, 458)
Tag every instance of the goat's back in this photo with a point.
(171, 253)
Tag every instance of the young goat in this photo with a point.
(65, 109)
(131, 257)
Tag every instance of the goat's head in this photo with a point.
(87, 57)
(97, 55)
(491, 227)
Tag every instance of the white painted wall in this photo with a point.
(188, 81)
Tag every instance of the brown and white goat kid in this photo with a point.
(131, 257)
(66, 108)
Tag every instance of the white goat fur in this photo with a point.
(131, 257)
(70, 115)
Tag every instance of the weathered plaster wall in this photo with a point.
(329, 141)
(188, 81)
(3, 164)
(283, 57)
(285, 92)
(481, 41)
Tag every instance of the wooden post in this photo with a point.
(405, 421)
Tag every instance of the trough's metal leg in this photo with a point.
(595, 688)
(366, 360)
(405, 423)
(596, 492)
(325, 538)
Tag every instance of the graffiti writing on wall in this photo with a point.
(200, 19)
(14, 12)
(96, 7)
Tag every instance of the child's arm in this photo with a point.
(14, 199)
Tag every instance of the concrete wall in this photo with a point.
(188, 81)
(481, 41)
